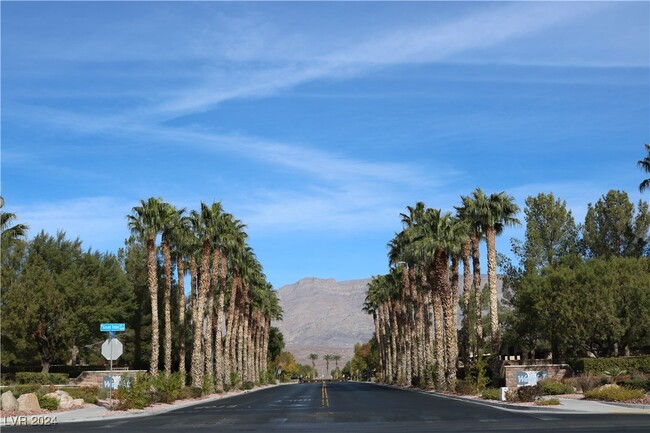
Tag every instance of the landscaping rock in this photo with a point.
(78, 402)
(9, 402)
(28, 403)
(64, 399)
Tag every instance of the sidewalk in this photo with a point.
(98, 413)
(567, 405)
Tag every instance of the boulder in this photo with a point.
(9, 402)
(78, 402)
(64, 399)
(28, 403)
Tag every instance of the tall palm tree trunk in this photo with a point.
(476, 268)
(467, 290)
(167, 259)
(438, 329)
(152, 276)
(204, 282)
(450, 303)
(218, 339)
(230, 321)
(208, 340)
(490, 239)
(180, 270)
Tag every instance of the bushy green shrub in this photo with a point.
(465, 387)
(234, 380)
(524, 394)
(185, 393)
(88, 393)
(588, 382)
(168, 388)
(48, 403)
(27, 377)
(477, 374)
(208, 384)
(491, 394)
(138, 395)
(615, 393)
(554, 387)
(601, 365)
(547, 402)
(643, 384)
(248, 385)
(18, 390)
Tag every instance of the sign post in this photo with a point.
(112, 349)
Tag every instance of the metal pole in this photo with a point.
(110, 388)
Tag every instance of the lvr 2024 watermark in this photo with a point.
(31, 420)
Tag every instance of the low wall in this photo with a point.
(95, 378)
(531, 373)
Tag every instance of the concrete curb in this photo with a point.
(103, 414)
(640, 409)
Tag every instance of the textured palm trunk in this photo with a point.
(428, 335)
(167, 260)
(204, 282)
(194, 289)
(394, 341)
(152, 276)
(247, 345)
(438, 325)
(240, 346)
(375, 322)
(222, 263)
(490, 239)
(265, 354)
(230, 321)
(476, 268)
(467, 291)
(420, 344)
(208, 339)
(180, 269)
(451, 326)
(385, 321)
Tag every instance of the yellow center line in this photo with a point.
(325, 399)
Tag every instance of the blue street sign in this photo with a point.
(112, 327)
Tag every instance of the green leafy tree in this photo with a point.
(551, 233)
(614, 228)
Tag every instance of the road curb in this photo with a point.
(107, 415)
(515, 408)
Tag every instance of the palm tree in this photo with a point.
(471, 212)
(499, 213)
(313, 357)
(183, 247)
(327, 359)
(10, 233)
(644, 164)
(170, 217)
(204, 224)
(336, 359)
(145, 222)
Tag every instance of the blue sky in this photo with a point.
(316, 123)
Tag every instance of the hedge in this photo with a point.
(42, 378)
(601, 365)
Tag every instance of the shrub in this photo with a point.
(42, 378)
(197, 391)
(465, 387)
(248, 385)
(615, 393)
(600, 365)
(547, 402)
(208, 384)
(491, 394)
(138, 395)
(18, 390)
(477, 374)
(48, 403)
(168, 388)
(524, 394)
(643, 384)
(234, 380)
(185, 393)
(589, 382)
(554, 387)
(88, 393)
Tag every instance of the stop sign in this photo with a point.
(112, 349)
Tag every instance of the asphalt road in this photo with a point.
(352, 407)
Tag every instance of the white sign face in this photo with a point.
(115, 381)
(530, 377)
(112, 349)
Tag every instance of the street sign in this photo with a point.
(114, 327)
(112, 349)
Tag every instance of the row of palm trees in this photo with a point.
(327, 358)
(228, 288)
(415, 306)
